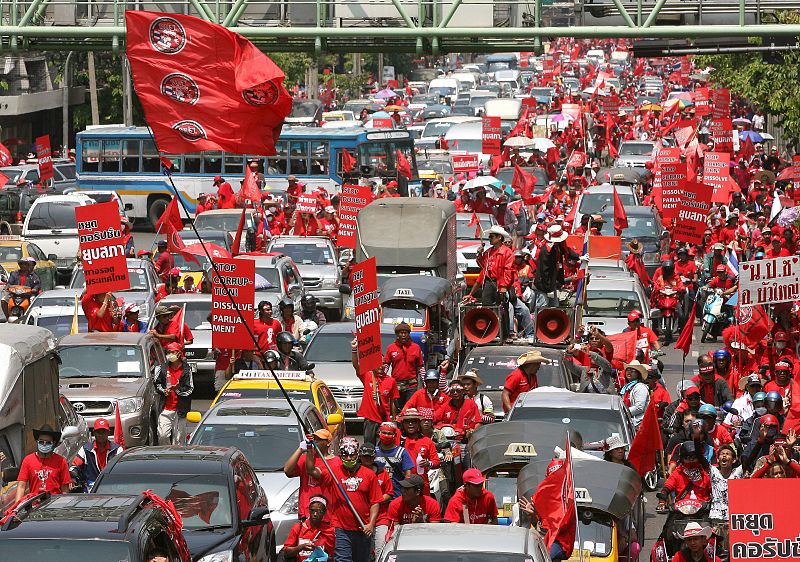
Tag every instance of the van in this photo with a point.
(467, 138)
(596, 55)
(52, 226)
(466, 80)
(510, 77)
(446, 87)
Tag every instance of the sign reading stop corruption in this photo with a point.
(237, 292)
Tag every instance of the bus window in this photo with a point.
(191, 163)
(90, 156)
(276, 165)
(212, 162)
(319, 159)
(150, 160)
(109, 157)
(298, 158)
(234, 164)
(130, 156)
(176, 163)
(376, 155)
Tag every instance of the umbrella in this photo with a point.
(381, 115)
(214, 251)
(394, 108)
(789, 173)
(561, 117)
(767, 137)
(482, 181)
(742, 121)
(650, 107)
(373, 107)
(752, 135)
(262, 283)
(542, 144)
(519, 142)
(385, 94)
(679, 102)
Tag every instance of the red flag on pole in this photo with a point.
(747, 150)
(684, 342)
(523, 182)
(237, 240)
(348, 161)
(647, 441)
(250, 189)
(620, 216)
(403, 165)
(793, 415)
(171, 219)
(555, 502)
(475, 221)
(5, 156)
(119, 434)
(203, 87)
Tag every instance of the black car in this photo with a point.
(14, 204)
(215, 490)
(49, 528)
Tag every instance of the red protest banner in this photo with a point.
(722, 134)
(227, 329)
(701, 98)
(716, 172)
(530, 103)
(383, 123)
(351, 201)
(364, 279)
(763, 521)
(307, 204)
(610, 105)
(685, 132)
(45, 158)
(576, 160)
(102, 248)
(672, 173)
(524, 59)
(491, 135)
(465, 163)
(693, 208)
(720, 103)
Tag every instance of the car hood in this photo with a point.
(317, 270)
(340, 373)
(201, 543)
(277, 487)
(94, 388)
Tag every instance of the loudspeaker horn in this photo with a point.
(552, 325)
(481, 325)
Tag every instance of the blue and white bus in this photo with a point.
(125, 160)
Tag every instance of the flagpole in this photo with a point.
(574, 499)
(158, 231)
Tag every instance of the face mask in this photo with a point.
(771, 433)
(780, 345)
(386, 440)
(761, 411)
(172, 358)
(45, 449)
(349, 464)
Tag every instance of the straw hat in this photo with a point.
(636, 366)
(472, 374)
(533, 356)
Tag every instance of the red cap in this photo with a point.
(174, 272)
(721, 268)
(174, 346)
(217, 179)
(769, 420)
(781, 336)
(634, 315)
(473, 476)
(691, 390)
(101, 423)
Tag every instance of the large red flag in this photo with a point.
(747, 150)
(203, 87)
(523, 182)
(119, 433)
(348, 161)
(555, 502)
(403, 165)
(577, 160)
(620, 216)
(171, 219)
(521, 128)
(684, 342)
(647, 442)
(753, 324)
(624, 345)
(793, 415)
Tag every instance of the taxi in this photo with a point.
(13, 247)
(298, 385)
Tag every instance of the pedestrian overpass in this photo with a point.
(414, 26)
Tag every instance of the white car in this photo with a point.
(609, 299)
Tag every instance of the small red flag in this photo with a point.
(647, 441)
(684, 342)
(250, 189)
(555, 502)
(747, 150)
(793, 415)
(576, 160)
(476, 222)
(5, 156)
(523, 182)
(119, 434)
(403, 165)
(171, 219)
(620, 216)
(237, 240)
(348, 161)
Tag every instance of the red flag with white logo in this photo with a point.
(203, 87)
(5, 156)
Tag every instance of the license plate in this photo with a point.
(349, 407)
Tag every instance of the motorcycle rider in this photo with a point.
(716, 433)
(713, 388)
(24, 276)
(430, 396)
(470, 380)
(691, 476)
(722, 364)
(783, 378)
(309, 310)
(695, 539)
(291, 322)
(751, 384)
(686, 269)
(667, 278)
(713, 259)
(722, 280)
(288, 358)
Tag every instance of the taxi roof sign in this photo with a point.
(404, 293)
(12, 237)
(521, 450)
(582, 495)
(263, 374)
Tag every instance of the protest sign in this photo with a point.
(692, 217)
(530, 103)
(45, 157)
(763, 521)
(610, 105)
(701, 98)
(491, 135)
(364, 281)
(722, 134)
(685, 132)
(102, 248)
(465, 163)
(227, 329)
(307, 204)
(721, 103)
(769, 281)
(716, 171)
(351, 201)
(672, 174)
(383, 123)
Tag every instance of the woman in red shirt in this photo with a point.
(312, 533)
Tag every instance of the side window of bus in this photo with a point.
(234, 164)
(109, 157)
(90, 156)
(319, 159)
(191, 164)
(130, 156)
(212, 162)
(298, 158)
(150, 161)
(276, 165)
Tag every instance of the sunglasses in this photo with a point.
(44, 442)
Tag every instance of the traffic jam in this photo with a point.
(521, 307)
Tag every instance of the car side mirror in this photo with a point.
(52, 257)
(193, 417)
(129, 206)
(69, 431)
(345, 289)
(258, 516)
(333, 419)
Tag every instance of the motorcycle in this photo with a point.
(717, 315)
(18, 300)
(666, 299)
(682, 512)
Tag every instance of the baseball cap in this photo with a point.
(217, 179)
(323, 434)
(413, 481)
(473, 476)
(781, 336)
(101, 423)
(691, 390)
(132, 309)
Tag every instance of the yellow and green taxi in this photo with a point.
(298, 385)
(12, 248)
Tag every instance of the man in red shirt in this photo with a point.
(413, 505)
(722, 280)
(44, 470)
(295, 467)
(353, 538)
(94, 455)
(100, 312)
(462, 415)
(776, 249)
(311, 533)
(266, 327)
(523, 378)
(405, 358)
(430, 397)
(164, 261)
(421, 449)
(479, 503)
(176, 385)
(646, 338)
(225, 195)
(497, 268)
(379, 399)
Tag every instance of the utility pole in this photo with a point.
(93, 90)
(379, 77)
(127, 96)
(65, 81)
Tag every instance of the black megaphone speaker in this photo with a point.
(552, 325)
(481, 325)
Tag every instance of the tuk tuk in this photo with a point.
(427, 305)
(610, 506)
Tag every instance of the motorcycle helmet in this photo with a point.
(722, 354)
(773, 396)
(432, 375)
(726, 407)
(759, 397)
(285, 302)
(707, 410)
(688, 449)
(667, 268)
(284, 338)
(768, 420)
(308, 303)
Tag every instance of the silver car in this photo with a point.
(634, 154)
(610, 296)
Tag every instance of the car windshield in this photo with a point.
(137, 276)
(318, 253)
(333, 347)
(221, 221)
(202, 500)
(265, 446)
(197, 311)
(10, 253)
(184, 265)
(53, 216)
(60, 549)
(208, 237)
(506, 175)
(100, 361)
(61, 326)
(412, 313)
(641, 227)
(494, 369)
(45, 300)
(541, 92)
(636, 149)
(436, 129)
(231, 393)
(610, 304)
(455, 556)
(504, 487)
(272, 277)
(438, 166)
(473, 146)
(594, 202)
(465, 231)
(304, 109)
(592, 424)
(595, 532)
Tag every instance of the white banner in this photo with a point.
(769, 281)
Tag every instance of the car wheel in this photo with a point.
(156, 208)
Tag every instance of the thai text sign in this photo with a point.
(769, 281)
(364, 281)
(102, 248)
(763, 521)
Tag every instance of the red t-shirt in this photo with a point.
(164, 263)
(479, 509)
(91, 306)
(387, 488)
(324, 536)
(309, 487)
(266, 332)
(400, 512)
(173, 376)
(517, 383)
(424, 403)
(386, 392)
(363, 490)
(463, 418)
(406, 360)
(44, 475)
(422, 447)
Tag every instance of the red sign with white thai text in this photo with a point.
(364, 281)
(383, 123)
(701, 98)
(234, 289)
(693, 208)
(307, 204)
(352, 199)
(465, 163)
(721, 103)
(102, 248)
(610, 105)
(491, 135)
(45, 157)
(722, 134)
